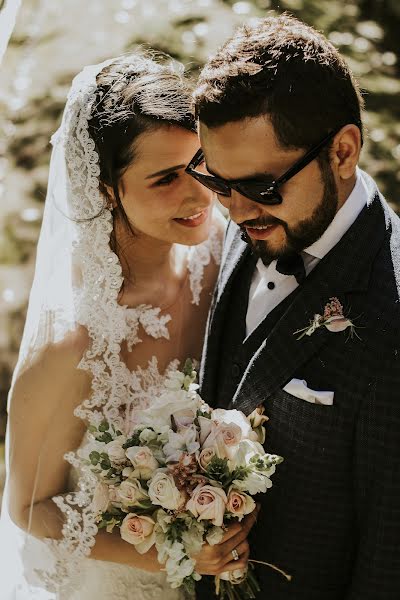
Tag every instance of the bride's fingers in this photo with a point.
(240, 564)
(241, 550)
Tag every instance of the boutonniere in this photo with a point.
(333, 319)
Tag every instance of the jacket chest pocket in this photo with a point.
(305, 430)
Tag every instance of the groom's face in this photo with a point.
(249, 149)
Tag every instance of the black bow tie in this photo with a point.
(292, 265)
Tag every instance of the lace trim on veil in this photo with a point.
(108, 325)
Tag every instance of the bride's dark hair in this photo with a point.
(136, 93)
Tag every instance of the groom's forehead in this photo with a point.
(241, 149)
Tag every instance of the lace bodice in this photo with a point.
(155, 342)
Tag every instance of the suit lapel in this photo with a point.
(236, 251)
(345, 270)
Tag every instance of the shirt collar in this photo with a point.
(342, 221)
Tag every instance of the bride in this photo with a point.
(126, 264)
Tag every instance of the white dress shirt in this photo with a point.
(269, 287)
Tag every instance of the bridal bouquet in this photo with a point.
(177, 479)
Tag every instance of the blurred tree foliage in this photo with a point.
(365, 31)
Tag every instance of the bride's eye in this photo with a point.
(167, 179)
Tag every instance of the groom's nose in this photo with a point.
(241, 208)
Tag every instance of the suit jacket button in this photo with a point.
(236, 371)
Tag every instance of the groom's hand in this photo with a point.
(213, 560)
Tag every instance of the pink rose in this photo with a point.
(240, 504)
(225, 437)
(139, 531)
(208, 503)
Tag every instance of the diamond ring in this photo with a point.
(235, 554)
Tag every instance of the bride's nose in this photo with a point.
(197, 191)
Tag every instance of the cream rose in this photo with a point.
(101, 498)
(163, 491)
(131, 493)
(208, 502)
(116, 452)
(205, 457)
(240, 504)
(139, 531)
(224, 437)
(143, 462)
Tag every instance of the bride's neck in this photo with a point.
(150, 267)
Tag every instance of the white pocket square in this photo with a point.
(298, 388)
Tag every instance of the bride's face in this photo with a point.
(160, 200)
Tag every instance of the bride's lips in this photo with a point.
(261, 234)
(194, 220)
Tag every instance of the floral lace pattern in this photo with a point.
(113, 386)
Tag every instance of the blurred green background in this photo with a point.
(53, 40)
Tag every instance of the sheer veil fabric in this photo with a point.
(76, 285)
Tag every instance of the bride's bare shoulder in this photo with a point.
(52, 369)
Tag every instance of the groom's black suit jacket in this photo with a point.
(332, 517)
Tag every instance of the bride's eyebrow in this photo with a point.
(165, 171)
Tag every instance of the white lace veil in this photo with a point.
(76, 283)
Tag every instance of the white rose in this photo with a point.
(245, 451)
(139, 531)
(208, 502)
(163, 491)
(184, 418)
(101, 498)
(183, 441)
(169, 403)
(143, 462)
(131, 493)
(116, 452)
(254, 483)
(147, 436)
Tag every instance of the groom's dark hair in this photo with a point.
(285, 69)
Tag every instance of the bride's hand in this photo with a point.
(214, 560)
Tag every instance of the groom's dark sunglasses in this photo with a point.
(258, 190)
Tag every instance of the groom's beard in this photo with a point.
(306, 232)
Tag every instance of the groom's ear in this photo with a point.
(346, 149)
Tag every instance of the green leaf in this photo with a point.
(104, 426)
(106, 437)
(94, 457)
(134, 440)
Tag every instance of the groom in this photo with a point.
(310, 234)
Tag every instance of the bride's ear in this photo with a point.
(109, 196)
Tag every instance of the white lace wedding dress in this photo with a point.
(159, 340)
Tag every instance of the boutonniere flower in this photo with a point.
(333, 319)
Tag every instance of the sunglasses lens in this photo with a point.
(257, 191)
(217, 186)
